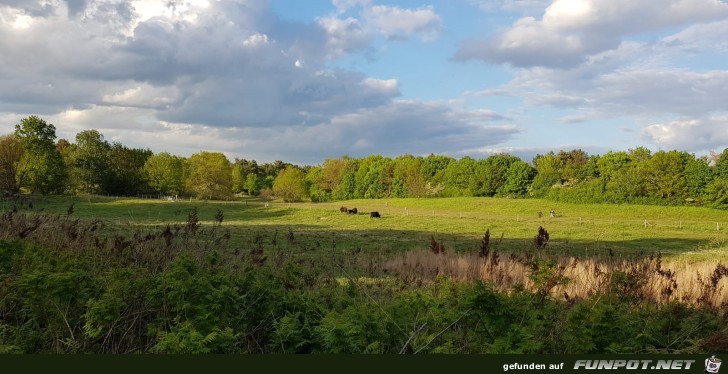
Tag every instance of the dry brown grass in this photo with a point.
(647, 280)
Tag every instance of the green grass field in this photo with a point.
(689, 233)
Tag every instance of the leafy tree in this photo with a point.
(432, 165)
(41, 168)
(549, 170)
(574, 165)
(314, 179)
(252, 184)
(457, 177)
(716, 193)
(374, 177)
(126, 171)
(408, 180)
(518, 179)
(612, 162)
(238, 178)
(290, 184)
(491, 174)
(697, 175)
(209, 175)
(720, 169)
(664, 174)
(626, 185)
(11, 152)
(346, 188)
(91, 162)
(165, 173)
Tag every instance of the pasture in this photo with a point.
(137, 275)
(689, 234)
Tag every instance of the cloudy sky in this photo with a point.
(302, 81)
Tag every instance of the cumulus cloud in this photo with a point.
(696, 134)
(186, 75)
(572, 30)
(396, 22)
(351, 33)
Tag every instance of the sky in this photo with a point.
(303, 81)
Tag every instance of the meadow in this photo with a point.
(101, 274)
(691, 234)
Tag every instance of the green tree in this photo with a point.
(408, 180)
(457, 177)
(346, 188)
(41, 168)
(91, 162)
(165, 173)
(11, 152)
(697, 175)
(549, 170)
(209, 175)
(574, 165)
(126, 170)
(290, 184)
(720, 169)
(432, 165)
(612, 162)
(518, 179)
(664, 174)
(491, 174)
(716, 193)
(374, 177)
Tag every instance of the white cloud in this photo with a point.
(347, 33)
(395, 22)
(572, 30)
(696, 134)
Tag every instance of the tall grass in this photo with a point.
(650, 279)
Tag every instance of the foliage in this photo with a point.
(164, 173)
(290, 185)
(209, 175)
(11, 152)
(41, 167)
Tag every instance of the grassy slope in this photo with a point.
(690, 233)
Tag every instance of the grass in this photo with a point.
(591, 244)
(686, 233)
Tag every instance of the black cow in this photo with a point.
(375, 215)
(353, 211)
(343, 209)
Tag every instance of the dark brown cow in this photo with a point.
(343, 209)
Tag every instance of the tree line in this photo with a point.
(33, 160)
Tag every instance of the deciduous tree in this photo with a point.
(41, 168)
(209, 175)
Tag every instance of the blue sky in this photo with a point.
(302, 81)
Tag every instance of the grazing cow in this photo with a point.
(353, 211)
(375, 215)
(343, 209)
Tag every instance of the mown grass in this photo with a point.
(687, 233)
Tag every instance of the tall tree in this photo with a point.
(126, 170)
(549, 170)
(209, 175)
(41, 168)
(408, 180)
(290, 184)
(91, 162)
(491, 174)
(720, 169)
(518, 179)
(11, 152)
(664, 174)
(165, 173)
